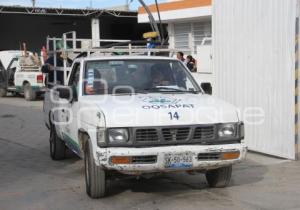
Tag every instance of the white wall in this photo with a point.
(204, 58)
(254, 65)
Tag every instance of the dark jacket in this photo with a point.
(59, 74)
(46, 70)
(192, 66)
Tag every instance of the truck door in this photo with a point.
(11, 70)
(3, 77)
(69, 113)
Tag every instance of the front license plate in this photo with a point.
(181, 160)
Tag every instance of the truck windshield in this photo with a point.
(136, 76)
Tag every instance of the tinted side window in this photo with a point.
(13, 64)
(2, 75)
(74, 78)
(1, 66)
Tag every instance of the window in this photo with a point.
(13, 64)
(140, 76)
(1, 67)
(191, 35)
(74, 78)
(181, 33)
(2, 75)
(200, 32)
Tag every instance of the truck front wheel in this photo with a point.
(2, 92)
(95, 178)
(57, 146)
(219, 177)
(29, 94)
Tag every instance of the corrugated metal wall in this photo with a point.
(254, 66)
(297, 68)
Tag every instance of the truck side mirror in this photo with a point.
(65, 93)
(207, 88)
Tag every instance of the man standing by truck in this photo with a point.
(48, 67)
(180, 56)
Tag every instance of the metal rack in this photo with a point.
(71, 44)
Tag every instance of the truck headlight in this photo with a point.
(227, 130)
(118, 135)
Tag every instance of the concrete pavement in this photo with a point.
(29, 179)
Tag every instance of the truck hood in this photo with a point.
(164, 110)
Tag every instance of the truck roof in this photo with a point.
(127, 57)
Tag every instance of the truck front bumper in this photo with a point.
(137, 161)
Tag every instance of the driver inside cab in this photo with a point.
(158, 77)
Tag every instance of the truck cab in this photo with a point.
(21, 74)
(141, 115)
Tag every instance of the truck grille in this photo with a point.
(144, 135)
(204, 133)
(176, 134)
(153, 136)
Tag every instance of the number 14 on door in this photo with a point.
(173, 115)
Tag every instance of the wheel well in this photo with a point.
(25, 82)
(82, 137)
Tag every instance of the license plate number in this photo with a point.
(181, 160)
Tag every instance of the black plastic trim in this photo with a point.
(161, 142)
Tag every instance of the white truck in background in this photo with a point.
(20, 73)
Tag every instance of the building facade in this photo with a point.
(189, 25)
(33, 25)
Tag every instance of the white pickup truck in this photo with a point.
(20, 74)
(140, 115)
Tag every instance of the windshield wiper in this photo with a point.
(135, 92)
(170, 89)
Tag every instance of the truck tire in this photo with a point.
(3, 92)
(14, 94)
(29, 94)
(95, 178)
(57, 146)
(220, 177)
